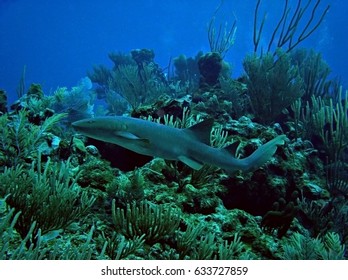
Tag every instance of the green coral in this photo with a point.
(20, 140)
(127, 188)
(136, 79)
(273, 84)
(315, 72)
(12, 247)
(195, 245)
(186, 70)
(50, 197)
(280, 221)
(96, 174)
(3, 101)
(137, 86)
(119, 248)
(155, 221)
(327, 119)
(300, 247)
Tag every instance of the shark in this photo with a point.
(189, 145)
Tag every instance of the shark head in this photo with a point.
(98, 128)
(114, 130)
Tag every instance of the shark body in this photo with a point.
(190, 145)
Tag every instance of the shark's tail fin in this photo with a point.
(261, 155)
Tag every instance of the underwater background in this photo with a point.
(260, 69)
(59, 41)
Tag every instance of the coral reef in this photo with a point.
(3, 102)
(135, 80)
(273, 84)
(210, 66)
(66, 196)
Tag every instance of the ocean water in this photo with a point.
(59, 41)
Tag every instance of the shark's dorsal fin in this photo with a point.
(201, 131)
(232, 148)
(196, 165)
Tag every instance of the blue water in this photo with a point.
(59, 41)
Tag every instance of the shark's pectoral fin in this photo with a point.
(126, 135)
(196, 165)
(132, 137)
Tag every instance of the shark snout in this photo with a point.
(83, 123)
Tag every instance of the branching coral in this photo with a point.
(137, 86)
(300, 247)
(77, 102)
(50, 196)
(119, 248)
(197, 246)
(221, 39)
(315, 73)
(155, 221)
(328, 120)
(136, 78)
(273, 84)
(288, 30)
(19, 139)
(35, 246)
(8, 248)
